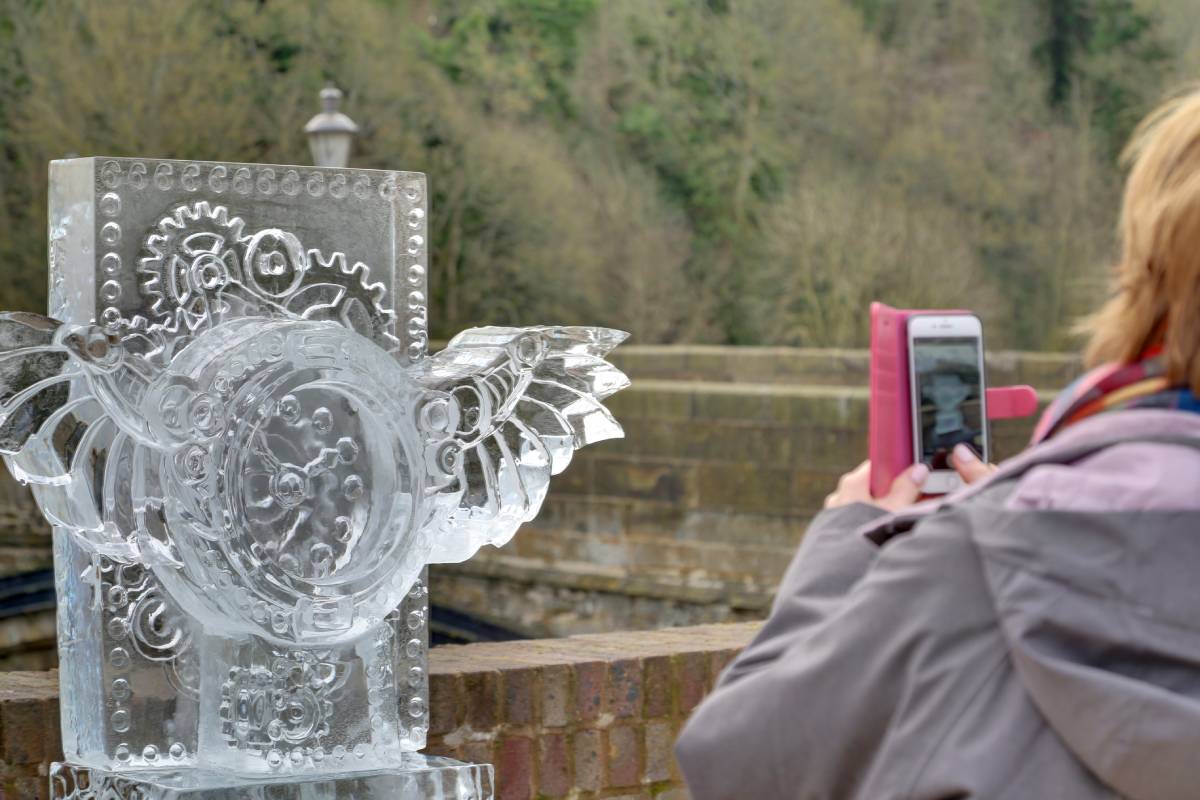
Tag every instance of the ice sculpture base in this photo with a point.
(420, 778)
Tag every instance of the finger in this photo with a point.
(859, 475)
(906, 488)
(854, 486)
(969, 466)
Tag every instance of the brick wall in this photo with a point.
(582, 717)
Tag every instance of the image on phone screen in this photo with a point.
(948, 389)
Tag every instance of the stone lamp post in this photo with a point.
(331, 133)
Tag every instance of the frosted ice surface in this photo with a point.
(249, 459)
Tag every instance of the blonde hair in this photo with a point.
(1156, 299)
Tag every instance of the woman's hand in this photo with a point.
(855, 486)
(969, 466)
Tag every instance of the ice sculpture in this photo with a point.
(248, 459)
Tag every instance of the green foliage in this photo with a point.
(1107, 49)
(747, 171)
(517, 55)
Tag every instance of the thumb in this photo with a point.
(970, 466)
(906, 488)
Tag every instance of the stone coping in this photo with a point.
(818, 366)
(590, 716)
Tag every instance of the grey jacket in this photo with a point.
(1037, 636)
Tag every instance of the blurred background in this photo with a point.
(733, 181)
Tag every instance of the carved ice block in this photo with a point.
(125, 235)
(249, 460)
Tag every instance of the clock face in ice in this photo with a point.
(291, 477)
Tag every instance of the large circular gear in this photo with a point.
(193, 254)
(336, 290)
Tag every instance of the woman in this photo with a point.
(1036, 635)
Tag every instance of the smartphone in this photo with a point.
(945, 362)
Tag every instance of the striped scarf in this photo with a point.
(1142, 384)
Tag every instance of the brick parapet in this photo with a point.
(591, 716)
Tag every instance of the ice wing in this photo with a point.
(33, 377)
(508, 409)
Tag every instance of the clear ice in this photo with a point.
(248, 459)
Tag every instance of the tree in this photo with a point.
(518, 56)
(1107, 50)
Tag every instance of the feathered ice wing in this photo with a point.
(39, 359)
(33, 377)
(43, 430)
(508, 409)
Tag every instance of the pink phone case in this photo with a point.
(890, 421)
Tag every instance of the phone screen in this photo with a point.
(948, 387)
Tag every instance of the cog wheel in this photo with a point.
(193, 255)
(199, 251)
(342, 292)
